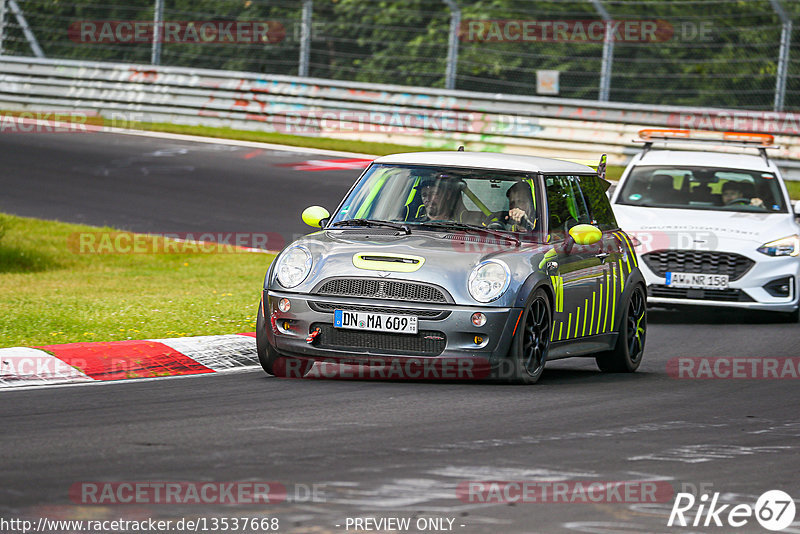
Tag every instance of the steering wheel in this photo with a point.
(745, 201)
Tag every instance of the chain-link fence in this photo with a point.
(720, 53)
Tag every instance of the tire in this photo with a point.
(627, 354)
(528, 354)
(792, 317)
(271, 360)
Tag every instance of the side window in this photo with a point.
(594, 192)
(565, 204)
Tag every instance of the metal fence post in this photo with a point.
(26, 29)
(452, 45)
(305, 38)
(608, 53)
(158, 19)
(2, 25)
(783, 55)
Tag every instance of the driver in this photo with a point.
(520, 207)
(733, 193)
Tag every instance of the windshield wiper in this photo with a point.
(373, 222)
(450, 225)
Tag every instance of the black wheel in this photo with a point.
(792, 317)
(271, 360)
(531, 342)
(627, 354)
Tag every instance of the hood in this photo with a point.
(437, 258)
(662, 228)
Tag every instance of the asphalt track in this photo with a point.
(375, 448)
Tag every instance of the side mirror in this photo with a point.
(585, 234)
(315, 216)
(797, 208)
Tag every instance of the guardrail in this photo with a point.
(348, 110)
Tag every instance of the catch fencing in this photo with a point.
(723, 53)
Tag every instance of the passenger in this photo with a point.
(442, 200)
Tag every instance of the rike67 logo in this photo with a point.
(774, 510)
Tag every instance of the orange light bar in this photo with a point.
(743, 137)
(649, 135)
(703, 135)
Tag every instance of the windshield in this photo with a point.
(416, 195)
(703, 188)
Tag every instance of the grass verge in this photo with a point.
(52, 294)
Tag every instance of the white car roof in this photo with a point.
(488, 160)
(705, 159)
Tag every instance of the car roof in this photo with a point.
(488, 160)
(696, 158)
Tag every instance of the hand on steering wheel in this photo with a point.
(745, 201)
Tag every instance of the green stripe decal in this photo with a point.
(585, 316)
(631, 252)
(609, 296)
(569, 325)
(591, 326)
(560, 327)
(625, 249)
(614, 304)
(577, 321)
(599, 309)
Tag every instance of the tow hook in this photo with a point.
(312, 336)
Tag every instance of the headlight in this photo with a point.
(489, 280)
(293, 266)
(787, 246)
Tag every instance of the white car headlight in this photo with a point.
(489, 280)
(787, 246)
(293, 266)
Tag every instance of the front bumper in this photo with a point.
(747, 293)
(485, 345)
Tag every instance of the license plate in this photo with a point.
(378, 322)
(698, 280)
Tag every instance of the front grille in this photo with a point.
(381, 289)
(723, 295)
(424, 343)
(329, 307)
(698, 261)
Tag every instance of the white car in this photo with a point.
(713, 228)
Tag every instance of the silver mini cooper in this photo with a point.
(458, 265)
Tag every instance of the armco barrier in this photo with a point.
(385, 113)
